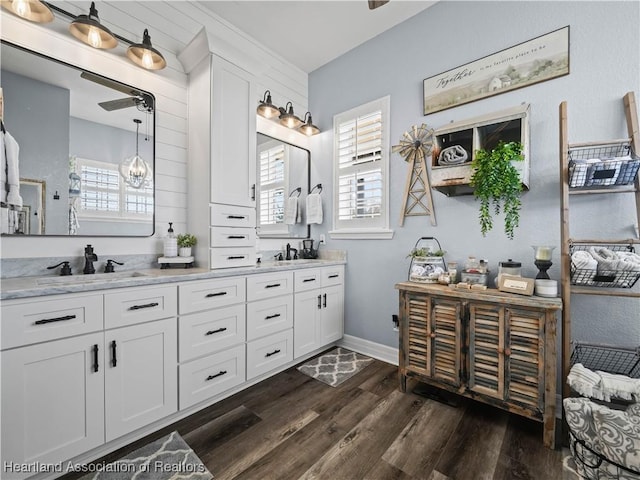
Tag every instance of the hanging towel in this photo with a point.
(10, 161)
(314, 208)
(291, 211)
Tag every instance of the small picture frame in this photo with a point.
(515, 284)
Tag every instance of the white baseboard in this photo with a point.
(371, 349)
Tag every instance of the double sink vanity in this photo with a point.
(92, 362)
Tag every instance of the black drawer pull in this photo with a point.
(269, 317)
(236, 257)
(146, 305)
(324, 300)
(217, 330)
(319, 301)
(236, 217)
(273, 285)
(219, 374)
(57, 319)
(217, 294)
(236, 237)
(95, 358)
(114, 360)
(308, 280)
(272, 353)
(335, 275)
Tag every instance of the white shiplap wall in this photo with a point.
(172, 25)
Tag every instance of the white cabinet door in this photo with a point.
(332, 314)
(52, 400)
(306, 324)
(233, 141)
(141, 376)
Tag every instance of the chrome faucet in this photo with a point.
(89, 258)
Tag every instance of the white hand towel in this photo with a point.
(585, 381)
(607, 259)
(291, 210)
(12, 150)
(583, 260)
(619, 386)
(629, 261)
(314, 208)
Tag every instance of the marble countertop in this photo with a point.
(25, 287)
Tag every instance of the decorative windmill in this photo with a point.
(415, 145)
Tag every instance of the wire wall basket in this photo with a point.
(603, 165)
(607, 358)
(602, 275)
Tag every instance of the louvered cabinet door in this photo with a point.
(486, 349)
(417, 344)
(446, 340)
(525, 357)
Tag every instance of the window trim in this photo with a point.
(381, 230)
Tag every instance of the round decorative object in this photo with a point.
(415, 144)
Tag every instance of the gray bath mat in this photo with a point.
(336, 366)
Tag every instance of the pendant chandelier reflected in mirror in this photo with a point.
(135, 171)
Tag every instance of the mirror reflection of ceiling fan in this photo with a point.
(141, 100)
(373, 4)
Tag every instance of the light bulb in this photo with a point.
(22, 8)
(147, 59)
(94, 37)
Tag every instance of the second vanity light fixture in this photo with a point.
(286, 116)
(89, 30)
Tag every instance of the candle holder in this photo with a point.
(543, 259)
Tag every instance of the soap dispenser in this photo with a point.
(170, 243)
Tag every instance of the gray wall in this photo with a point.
(604, 53)
(32, 114)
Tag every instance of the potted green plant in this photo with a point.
(185, 242)
(497, 184)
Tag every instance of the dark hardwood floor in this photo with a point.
(294, 427)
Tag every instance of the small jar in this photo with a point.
(452, 269)
(472, 265)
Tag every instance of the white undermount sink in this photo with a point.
(94, 278)
(302, 261)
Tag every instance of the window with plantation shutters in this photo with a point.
(361, 158)
(273, 166)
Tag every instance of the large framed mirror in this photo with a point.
(85, 141)
(283, 182)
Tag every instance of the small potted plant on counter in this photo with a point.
(185, 242)
(497, 184)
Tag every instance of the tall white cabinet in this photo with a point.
(222, 159)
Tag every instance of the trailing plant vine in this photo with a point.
(497, 184)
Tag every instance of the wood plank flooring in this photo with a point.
(294, 427)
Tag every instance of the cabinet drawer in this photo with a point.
(233, 237)
(269, 285)
(333, 275)
(207, 332)
(32, 320)
(268, 353)
(307, 279)
(232, 216)
(269, 316)
(227, 257)
(137, 305)
(207, 294)
(207, 377)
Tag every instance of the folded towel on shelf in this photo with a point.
(585, 381)
(607, 259)
(583, 260)
(291, 211)
(314, 208)
(628, 261)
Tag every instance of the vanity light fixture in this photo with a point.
(266, 108)
(88, 29)
(144, 55)
(32, 10)
(308, 128)
(135, 170)
(288, 118)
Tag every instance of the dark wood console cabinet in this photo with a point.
(497, 348)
